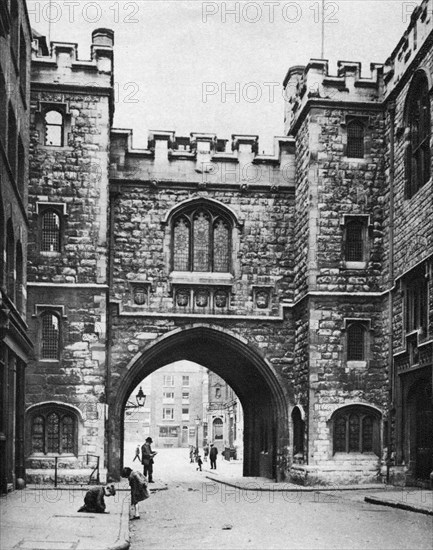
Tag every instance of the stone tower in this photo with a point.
(71, 112)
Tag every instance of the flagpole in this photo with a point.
(49, 23)
(322, 50)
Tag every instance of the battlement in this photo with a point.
(59, 64)
(201, 157)
(417, 33)
(314, 83)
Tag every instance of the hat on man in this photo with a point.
(149, 439)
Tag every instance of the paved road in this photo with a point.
(197, 513)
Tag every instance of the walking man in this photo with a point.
(213, 456)
(147, 459)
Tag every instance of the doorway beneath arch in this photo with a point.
(260, 392)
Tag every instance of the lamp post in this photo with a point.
(197, 424)
(140, 399)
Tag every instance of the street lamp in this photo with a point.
(197, 424)
(140, 398)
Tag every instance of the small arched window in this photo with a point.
(356, 430)
(50, 231)
(356, 342)
(355, 139)
(54, 128)
(201, 241)
(53, 429)
(418, 155)
(50, 336)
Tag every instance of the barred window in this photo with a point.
(50, 336)
(418, 154)
(53, 431)
(355, 139)
(50, 232)
(201, 241)
(356, 342)
(356, 430)
(354, 243)
(54, 128)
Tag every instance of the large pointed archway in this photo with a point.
(263, 396)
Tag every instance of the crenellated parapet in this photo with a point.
(59, 64)
(418, 34)
(313, 83)
(202, 159)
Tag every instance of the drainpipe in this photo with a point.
(391, 112)
(112, 197)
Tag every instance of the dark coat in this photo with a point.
(213, 453)
(94, 501)
(138, 485)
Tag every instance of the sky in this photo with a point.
(207, 66)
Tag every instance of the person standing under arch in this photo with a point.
(213, 456)
(147, 459)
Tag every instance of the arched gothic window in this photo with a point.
(53, 429)
(53, 128)
(50, 336)
(50, 231)
(355, 139)
(201, 241)
(356, 430)
(418, 155)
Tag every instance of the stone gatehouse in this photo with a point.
(301, 277)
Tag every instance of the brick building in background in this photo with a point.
(15, 346)
(301, 278)
(176, 398)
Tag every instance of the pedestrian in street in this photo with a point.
(213, 456)
(94, 499)
(147, 459)
(206, 452)
(139, 490)
(199, 463)
(137, 454)
(191, 454)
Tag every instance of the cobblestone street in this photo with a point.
(195, 512)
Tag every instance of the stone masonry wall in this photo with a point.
(76, 176)
(261, 257)
(78, 377)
